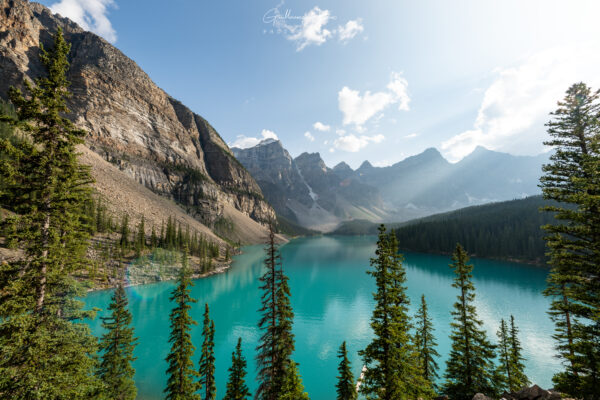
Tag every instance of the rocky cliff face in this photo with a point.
(277, 174)
(305, 190)
(132, 122)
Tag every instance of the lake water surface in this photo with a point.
(332, 301)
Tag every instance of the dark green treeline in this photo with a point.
(508, 230)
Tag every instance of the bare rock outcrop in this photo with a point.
(529, 393)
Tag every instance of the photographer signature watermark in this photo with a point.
(285, 22)
(314, 27)
(274, 16)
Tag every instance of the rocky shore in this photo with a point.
(529, 393)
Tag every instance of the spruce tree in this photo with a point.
(425, 342)
(236, 386)
(572, 179)
(276, 344)
(43, 353)
(117, 345)
(140, 240)
(345, 387)
(207, 358)
(124, 240)
(292, 388)
(504, 352)
(470, 367)
(391, 359)
(153, 239)
(518, 376)
(181, 375)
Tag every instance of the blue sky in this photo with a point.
(360, 80)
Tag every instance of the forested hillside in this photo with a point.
(507, 230)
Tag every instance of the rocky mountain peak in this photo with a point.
(366, 165)
(342, 166)
(311, 161)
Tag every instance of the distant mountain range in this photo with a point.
(307, 192)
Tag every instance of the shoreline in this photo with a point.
(220, 267)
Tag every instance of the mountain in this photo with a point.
(305, 191)
(427, 180)
(427, 183)
(134, 125)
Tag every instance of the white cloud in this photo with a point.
(340, 132)
(410, 136)
(245, 142)
(312, 30)
(351, 29)
(517, 104)
(91, 15)
(358, 109)
(321, 127)
(399, 87)
(309, 136)
(353, 143)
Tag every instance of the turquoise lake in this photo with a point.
(331, 297)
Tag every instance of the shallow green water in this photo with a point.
(331, 296)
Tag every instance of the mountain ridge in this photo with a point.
(419, 185)
(304, 190)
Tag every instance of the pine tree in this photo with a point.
(117, 345)
(573, 180)
(181, 383)
(170, 234)
(470, 367)
(518, 376)
(179, 237)
(207, 359)
(153, 239)
(276, 344)
(391, 359)
(426, 344)
(292, 388)
(236, 386)
(43, 353)
(504, 352)
(140, 240)
(345, 387)
(124, 240)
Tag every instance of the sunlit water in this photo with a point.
(331, 297)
